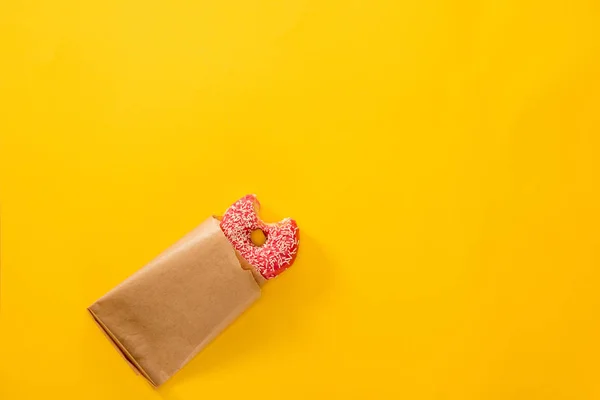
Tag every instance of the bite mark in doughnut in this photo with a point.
(277, 253)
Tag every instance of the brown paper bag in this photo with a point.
(164, 314)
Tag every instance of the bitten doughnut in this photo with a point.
(280, 248)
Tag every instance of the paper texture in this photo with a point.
(164, 314)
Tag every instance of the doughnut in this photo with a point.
(280, 248)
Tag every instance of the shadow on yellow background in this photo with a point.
(440, 157)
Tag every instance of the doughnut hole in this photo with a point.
(258, 237)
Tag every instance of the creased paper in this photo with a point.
(165, 313)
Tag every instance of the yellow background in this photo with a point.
(440, 156)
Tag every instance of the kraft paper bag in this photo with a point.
(165, 313)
